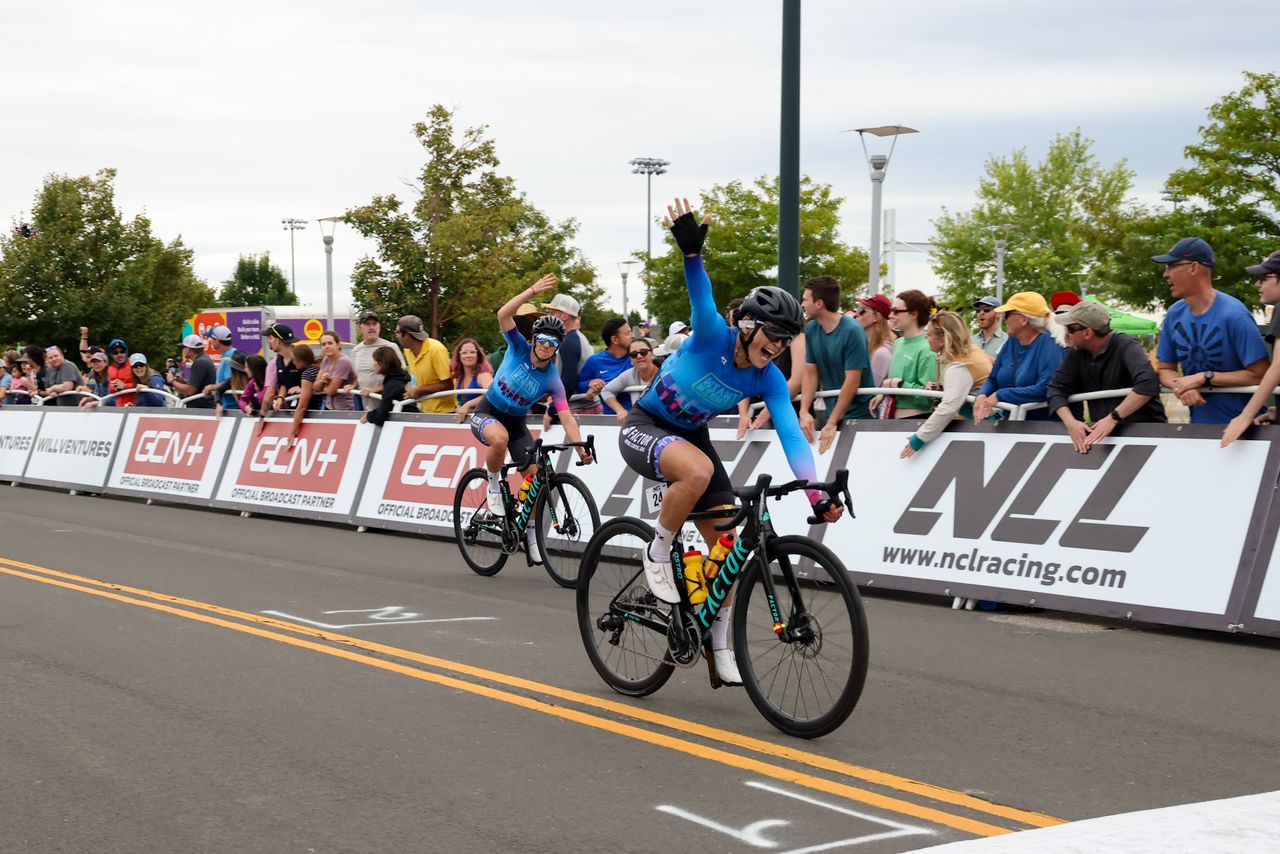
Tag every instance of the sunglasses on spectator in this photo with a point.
(860, 311)
(1178, 264)
(118, 350)
(984, 309)
(1073, 328)
(639, 354)
(549, 340)
(899, 311)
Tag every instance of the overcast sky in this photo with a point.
(225, 118)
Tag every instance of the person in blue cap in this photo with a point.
(1207, 334)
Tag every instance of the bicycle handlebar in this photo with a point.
(837, 489)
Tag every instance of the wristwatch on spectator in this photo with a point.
(1208, 379)
(1116, 416)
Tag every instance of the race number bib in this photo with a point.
(653, 497)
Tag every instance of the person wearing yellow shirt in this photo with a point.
(428, 363)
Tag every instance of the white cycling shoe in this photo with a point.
(727, 667)
(495, 502)
(660, 579)
(531, 546)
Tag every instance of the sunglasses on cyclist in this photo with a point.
(639, 354)
(549, 340)
(776, 334)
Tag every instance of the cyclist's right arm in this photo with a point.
(507, 314)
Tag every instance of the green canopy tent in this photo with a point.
(1122, 321)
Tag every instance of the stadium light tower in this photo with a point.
(291, 225)
(648, 166)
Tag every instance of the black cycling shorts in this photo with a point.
(641, 442)
(519, 440)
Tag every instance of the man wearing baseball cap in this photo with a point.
(990, 337)
(218, 341)
(1267, 272)
(280, 339)
(1099, 359)
(428, 363)
(367, 376)
(202, 373)
(1208, 339)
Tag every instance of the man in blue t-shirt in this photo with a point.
(835, 358)
(1210, 335)
(609, 362)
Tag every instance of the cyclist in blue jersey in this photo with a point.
(665, 436)
(528, 373)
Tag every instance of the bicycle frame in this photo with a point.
(542, 459)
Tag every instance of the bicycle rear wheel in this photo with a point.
(566, 519)
(623, 625)
(477, 531)
(808, 686)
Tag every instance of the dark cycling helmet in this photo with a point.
(549, 325)
(774, 307)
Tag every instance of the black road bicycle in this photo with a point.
(559, 504)
(799, 629)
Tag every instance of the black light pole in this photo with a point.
(648, 166)
(789, 149)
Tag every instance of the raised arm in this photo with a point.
(689, 236)
(507, 314)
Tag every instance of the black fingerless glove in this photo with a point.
(689, 234)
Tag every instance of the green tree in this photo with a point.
(256, 281)
(83, 264)
(466, 243)
(1231, 188)
(1070, 216)
(742, 246)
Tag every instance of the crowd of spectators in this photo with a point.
(1024, 350)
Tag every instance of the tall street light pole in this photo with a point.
(878, 164)
(291, 225)
(1002, 240)
(789, 153)
(327, 236)
(648, 166)
(624, 267)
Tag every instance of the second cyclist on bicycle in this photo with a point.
(527, 374)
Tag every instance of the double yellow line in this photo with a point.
(345, 646)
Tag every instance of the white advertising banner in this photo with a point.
(17, 438)
(317, 474)
(74, 448)
(1268, 607)
(415, 472)
(172, 455)
(1160, 523)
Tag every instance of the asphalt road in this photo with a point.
(182, 680)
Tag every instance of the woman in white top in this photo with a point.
(642, 371)
(964, 367)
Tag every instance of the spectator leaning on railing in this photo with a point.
(1210, 335)
(964, 367)
(59, 376)
(428, 363)
(201, 376)
(393, 379)
(602, 367)
(119, 372)
(642, 371)
(144, 377)
(1027, 360)
(1268, 274)
(835, 359)
(1097, 360)
(367, 375)
(913, 365)
(218, 342)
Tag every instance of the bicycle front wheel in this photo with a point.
(623, 625)
(565, 520)
(806, 681)
(477, 531)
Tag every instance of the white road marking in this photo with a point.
(390, 615)
(751, 834)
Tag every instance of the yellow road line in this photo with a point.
(792, 754)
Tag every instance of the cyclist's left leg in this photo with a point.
(719, 493)
(519, 445)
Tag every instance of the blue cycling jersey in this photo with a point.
(518, 384)
(700, 380)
